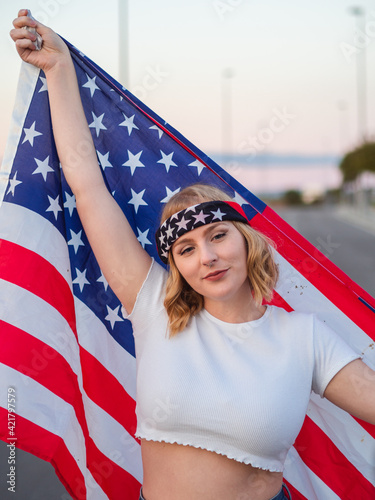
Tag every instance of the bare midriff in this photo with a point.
(177, 472)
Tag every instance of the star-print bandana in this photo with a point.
(192, 217)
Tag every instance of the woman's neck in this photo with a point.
(237, 311)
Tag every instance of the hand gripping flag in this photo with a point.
(66, 352)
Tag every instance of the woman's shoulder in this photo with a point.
(281, 314)
(152, 291)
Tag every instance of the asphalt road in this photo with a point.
(348, 246)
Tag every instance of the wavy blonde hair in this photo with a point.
(181, 301)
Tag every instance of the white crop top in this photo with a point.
(240, 390)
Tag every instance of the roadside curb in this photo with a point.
(363, 218)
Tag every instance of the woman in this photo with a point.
(228, 389)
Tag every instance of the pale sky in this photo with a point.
(290, 62)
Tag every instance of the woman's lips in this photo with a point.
(215, 275)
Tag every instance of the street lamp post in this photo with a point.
(123, 27)
(226, 119)
(360, 15)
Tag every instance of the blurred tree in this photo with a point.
(293, 197)
(357, 161)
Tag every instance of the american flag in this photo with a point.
(67, 351)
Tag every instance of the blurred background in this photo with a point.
(281, 94)
(276, 92)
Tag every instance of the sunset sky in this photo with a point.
(289, 68)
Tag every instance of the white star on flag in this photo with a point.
(70, 202)
(170, 193)
(81, 279)
(103, 160)
(128, 122)
(133, 161)
(103, 280)
(13, 183)
(44, 87)
(160, 132)
(112, 316)
(137, 200)
(198, 164)
(90, 84)
(218, 214)
(97, 123)
(54, 206)
(43, 168)
(238, 199)
(142, 238)
(200, 217)
(30, 134)
(76, 240)
(167, 160)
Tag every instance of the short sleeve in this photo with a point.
(331, 354)
(150, 299)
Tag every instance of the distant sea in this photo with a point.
(273, 174)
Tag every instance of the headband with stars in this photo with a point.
(192, 217)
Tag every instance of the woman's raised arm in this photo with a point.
(121, 258)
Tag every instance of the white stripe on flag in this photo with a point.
(304, 480)
(116, 443)
(49, 327)
(25, 90)
(94, 337)
(358, 445)
(31, 397)
(35, 230)
(301, 295)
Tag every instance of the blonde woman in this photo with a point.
(223, 381)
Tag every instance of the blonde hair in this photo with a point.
(181, 301)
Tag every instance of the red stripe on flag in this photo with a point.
(107, 392)
(47, 446)
(46, 366)
(370, 428)
(317, 269)
(115, 481)
(34, 273)
(30, 271)
(327, 462)
(42, 363)
(279, 301)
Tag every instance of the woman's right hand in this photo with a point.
(53, 50)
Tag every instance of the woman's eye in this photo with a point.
(219, 236)
(186, 250)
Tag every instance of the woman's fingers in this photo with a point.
(20, 34)
(53, 50)
(25, 43)
(22, 12)
(22, 21)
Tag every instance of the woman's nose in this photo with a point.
(208, 256)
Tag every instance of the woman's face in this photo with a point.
(212, 259)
